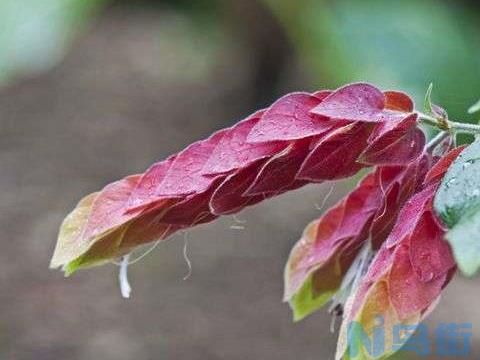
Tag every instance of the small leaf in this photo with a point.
(434, 110)
(474, 108)
(427, 105)
(457, 202)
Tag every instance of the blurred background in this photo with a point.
(93, 90)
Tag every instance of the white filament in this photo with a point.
(320, 207)
(185, 256)
(125, 287)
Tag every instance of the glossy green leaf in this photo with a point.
(463, 238)
(457, 202)
(459, 192)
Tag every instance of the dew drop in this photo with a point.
(427, 276)
(451, 182)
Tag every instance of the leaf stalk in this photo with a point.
(448, 125)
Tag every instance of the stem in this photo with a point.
(437, 140)
(447, 125)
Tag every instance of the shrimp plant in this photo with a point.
(387, 249)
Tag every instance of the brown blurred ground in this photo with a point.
(129, 94)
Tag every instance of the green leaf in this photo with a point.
(305, 301)
(457, 203)
(474, 108)
(464, 239)
(460, 189)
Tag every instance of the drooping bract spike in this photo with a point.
(412, 267)
(278, 149)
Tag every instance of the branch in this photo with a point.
(448, 125)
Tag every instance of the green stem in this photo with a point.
(447, 125)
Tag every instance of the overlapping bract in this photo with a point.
(321, 258)
(406, 277)
(301, 138)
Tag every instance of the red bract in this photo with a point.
(335, 155)
(398, 183)
(362, 102)
(301, 138)
(320, 260)
(438, 171)
(406, 277)
(290, 118)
